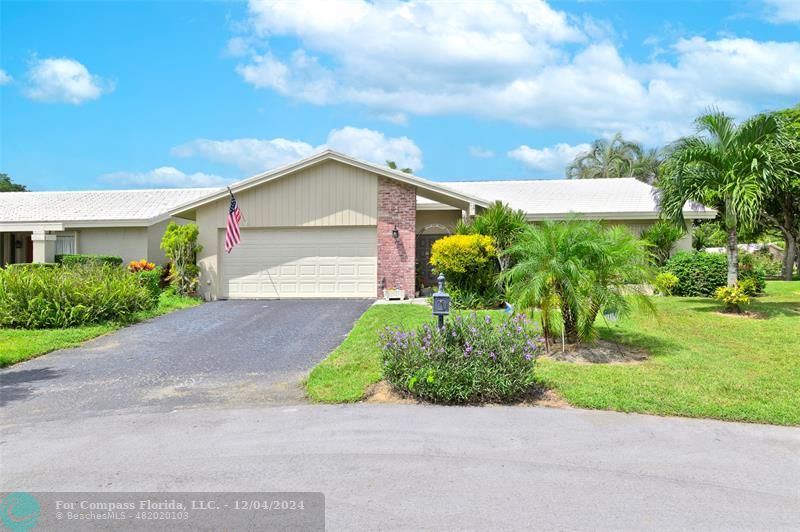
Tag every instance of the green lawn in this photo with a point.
(17, 345)
(702, 364)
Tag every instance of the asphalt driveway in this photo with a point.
(227, 353)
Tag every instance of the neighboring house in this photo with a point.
(325, 226)
(36, 226)
(775, 252)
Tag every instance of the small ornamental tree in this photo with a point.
(180, 245)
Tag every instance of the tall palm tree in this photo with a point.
(726, 166)
(606, 158)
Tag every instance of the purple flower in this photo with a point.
(487, 319)
(492, 356)
(468, 349)
(528, 356)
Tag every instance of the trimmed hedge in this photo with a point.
(57, 297)
(71, 260)
(700, 273)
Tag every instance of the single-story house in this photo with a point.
(326, 226)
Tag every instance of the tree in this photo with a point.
(393, 166)
(781, 210)
(180, 246)
(726, 166)
(579, 268)
(500, 222)
(616, 157)
(6, 185)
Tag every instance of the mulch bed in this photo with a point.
(600, 352)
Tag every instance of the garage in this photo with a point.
(301, 262)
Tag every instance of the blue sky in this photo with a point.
(162, 94)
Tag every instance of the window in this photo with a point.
(65, 244)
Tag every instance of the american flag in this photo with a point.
(232, 235)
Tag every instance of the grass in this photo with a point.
(17, 345)
(702, 363)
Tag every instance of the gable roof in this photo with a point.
(610, 198)
(95, 207)
(431, 190)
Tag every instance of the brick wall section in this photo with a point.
(397, 205)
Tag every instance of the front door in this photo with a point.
(424, 245)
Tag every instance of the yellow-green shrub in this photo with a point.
(733, 297)
(469, 263)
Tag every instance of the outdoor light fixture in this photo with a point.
(395, 232)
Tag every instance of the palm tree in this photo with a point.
(606, 158)
(645, 164)
(580, 268)
(726, 166)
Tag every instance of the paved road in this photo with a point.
(411, 467)
(226, 353)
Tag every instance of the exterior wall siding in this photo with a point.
(397, 206)
(326, 194)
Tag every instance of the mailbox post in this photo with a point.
(441, 302)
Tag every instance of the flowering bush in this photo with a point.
(471, 359)
(665, 282)
(135, 266)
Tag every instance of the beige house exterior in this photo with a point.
(325, 226)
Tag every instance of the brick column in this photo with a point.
(397, 206)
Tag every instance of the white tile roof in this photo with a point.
(95, 205)
(539, 198)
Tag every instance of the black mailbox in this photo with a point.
(441, 302)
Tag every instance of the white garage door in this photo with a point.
(301, 262)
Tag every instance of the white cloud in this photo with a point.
(398, 119)
(259, 155)
(514, 60)
(480, 153)
(250, 155)
(63, 80)
(782, 11)
(551, 159)
(375, 147)
(4, 77)
(165, 176)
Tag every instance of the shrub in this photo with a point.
(733, 297)
(140, 266)
(38, 298)
(662, 236)
(471, 359)
(180, 246)
(763, 260)
(700, 273)
(71, 260)
(150, 280)
(469, 265)
(665, 282)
